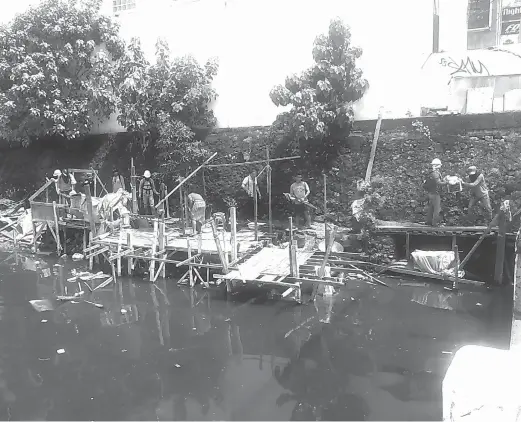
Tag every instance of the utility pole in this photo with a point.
(436, 27)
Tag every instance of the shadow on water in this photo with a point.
(160, 352)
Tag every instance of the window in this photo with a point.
(122, 5)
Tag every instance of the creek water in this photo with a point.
(164, 352)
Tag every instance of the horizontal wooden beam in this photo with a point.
(434, 276)
(252, 162)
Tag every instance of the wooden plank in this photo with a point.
(270, 211)
(434, 276)
(58, 242)
(90, 212)
(255, 208)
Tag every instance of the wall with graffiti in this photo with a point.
(455, 80)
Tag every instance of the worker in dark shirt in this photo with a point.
(432, 185)
(478, 193)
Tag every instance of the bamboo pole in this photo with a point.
(162, 245)
(90, 211)
(291, 269)
(91, 258)
(120, 243)
(186, 179)
(233, 232)
(187, 212)
(326, 227)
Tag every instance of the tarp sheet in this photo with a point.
(435, 262)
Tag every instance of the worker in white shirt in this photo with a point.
(248, 185)
(299, 192)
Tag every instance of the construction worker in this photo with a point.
(247, 186)
(432, 185)
(147, 190)
(478, 193)
(65, 184)
(299, 192)
(197, 210)
(117, 181)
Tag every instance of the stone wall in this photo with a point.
(490, 141)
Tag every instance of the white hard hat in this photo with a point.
(146, 174)
(57, 173)
(436, 162)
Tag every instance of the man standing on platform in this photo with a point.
(117, 181)
(147, 190)
(247, 185)
(197, 209)
(432, 185)
(299, 192)
(478, 193)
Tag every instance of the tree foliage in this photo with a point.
(321, 97)
(56, 70)
(163, 101)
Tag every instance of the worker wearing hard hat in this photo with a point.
(432, 185)
(147, 190)
(478, 193)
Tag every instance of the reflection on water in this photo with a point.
(160, 352)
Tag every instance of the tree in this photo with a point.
(56, 70)
(321, 98)
(162, 102)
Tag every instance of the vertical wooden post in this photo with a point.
(219, 247)
(120, 244)
(290, 247)
(152, 267)
(47, 195)
(181, 206)
(255, 207)
(233, 232)
(204, 183)
(162, 246)
(456, 268)
(85, 239)
(129, 260)
(133, 185)
(408, 247)
(294, 261)
(326, 227)
(454, 241)
(58, 243)
(167, 204)
(65, 238)
(190, 272)
(270, 212)
(373, 147)
(91, 259)
(187, 213)
(35, 237)
(95, 183)
(500, 248)
(90, 212)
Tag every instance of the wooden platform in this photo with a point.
(269, 264)
(176, 241)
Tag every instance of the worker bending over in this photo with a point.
(433, 185)
(147, 190)
(299, 192)
(65, 185)
(478, 193)
(197, 210)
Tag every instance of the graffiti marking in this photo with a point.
(466, 66)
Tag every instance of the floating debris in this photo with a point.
(42, 305)
(60, 351)
(77, 257)
(177, 365)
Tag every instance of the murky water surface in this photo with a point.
(169, 353)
